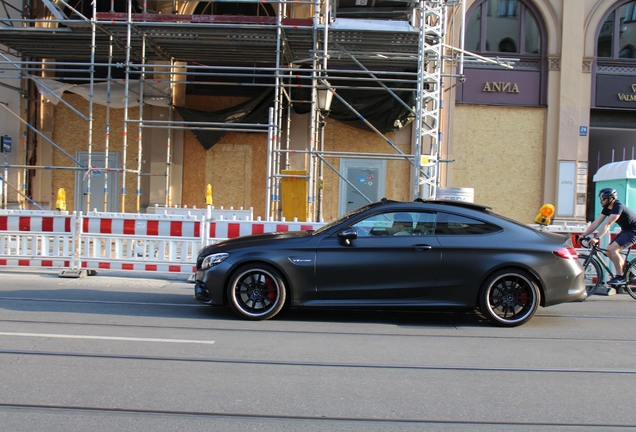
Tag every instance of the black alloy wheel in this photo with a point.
(509, 298)
(256, 292)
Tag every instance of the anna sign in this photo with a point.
(499, 87)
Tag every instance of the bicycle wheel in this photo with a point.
(593, 273)
(630, 277)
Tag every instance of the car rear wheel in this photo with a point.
(509, 298)
(256, 292)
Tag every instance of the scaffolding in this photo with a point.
(178, 44)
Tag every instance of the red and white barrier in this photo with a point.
(230, 229)
(164, 226)
(156, 243)
(166, 243)
(137, 266)
(37, 239)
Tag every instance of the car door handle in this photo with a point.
(422, 247)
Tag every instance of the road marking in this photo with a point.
(117, 338)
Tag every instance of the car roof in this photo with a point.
(444, 202)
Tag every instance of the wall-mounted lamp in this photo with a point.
(325, 96)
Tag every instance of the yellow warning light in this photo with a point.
(60, 204)
(208, 195)
(545, 213)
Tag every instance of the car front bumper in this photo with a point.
(209, 284)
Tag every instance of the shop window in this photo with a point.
(617, 36)
(506, 26)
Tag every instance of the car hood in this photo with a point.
(253, 239)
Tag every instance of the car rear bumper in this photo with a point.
(566, 290)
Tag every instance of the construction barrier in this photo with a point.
(35, 238)
(163, 243)
(140, 242)
(230, 229)
(210, 212)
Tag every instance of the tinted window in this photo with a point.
(454, 224)
(506, 26)
(617, 36)
(396, 224)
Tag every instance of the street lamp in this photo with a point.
(325, 95)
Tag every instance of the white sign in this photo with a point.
(567, 188)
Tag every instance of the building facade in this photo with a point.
(518, 137)
(539, 132)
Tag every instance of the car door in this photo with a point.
(469, 244)
(389, 259)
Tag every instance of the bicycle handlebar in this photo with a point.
(585, 241)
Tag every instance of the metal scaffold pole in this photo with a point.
(428, 98)
(107, 132)
(89, 173)
(126, 102)
(142, 83)
(293, 52)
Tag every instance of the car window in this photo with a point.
(396, 224)
(343, 218)
(448, 223)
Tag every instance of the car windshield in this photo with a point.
(343, 218)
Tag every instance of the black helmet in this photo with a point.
(608, 193)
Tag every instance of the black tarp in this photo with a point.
(252, 111)
(378, 107)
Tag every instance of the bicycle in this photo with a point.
(593, 266)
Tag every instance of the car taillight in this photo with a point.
(566, 253)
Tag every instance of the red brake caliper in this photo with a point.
(271, 288)
(523, 297)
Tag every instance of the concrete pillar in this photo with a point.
(573, 101)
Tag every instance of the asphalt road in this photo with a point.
(120, 351)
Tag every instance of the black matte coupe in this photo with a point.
(389, 254)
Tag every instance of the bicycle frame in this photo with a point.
(593, 266)
(601, 252)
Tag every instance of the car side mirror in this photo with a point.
(348, 234)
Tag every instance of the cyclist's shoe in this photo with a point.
(616, 281)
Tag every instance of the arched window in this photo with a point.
(512, 29)
(617, 37)
(508, 26)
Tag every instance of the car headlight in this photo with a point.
(214, 259)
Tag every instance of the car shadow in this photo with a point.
(400, 318)
(183, 305)
(180, 303)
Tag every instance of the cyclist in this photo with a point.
(614, 211)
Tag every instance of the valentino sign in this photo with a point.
(628, 97)
(615, 91)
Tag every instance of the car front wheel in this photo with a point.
(256, 292)
(509, 298)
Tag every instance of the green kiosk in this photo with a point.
(620, 176)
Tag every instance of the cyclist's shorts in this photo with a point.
(625, 239)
